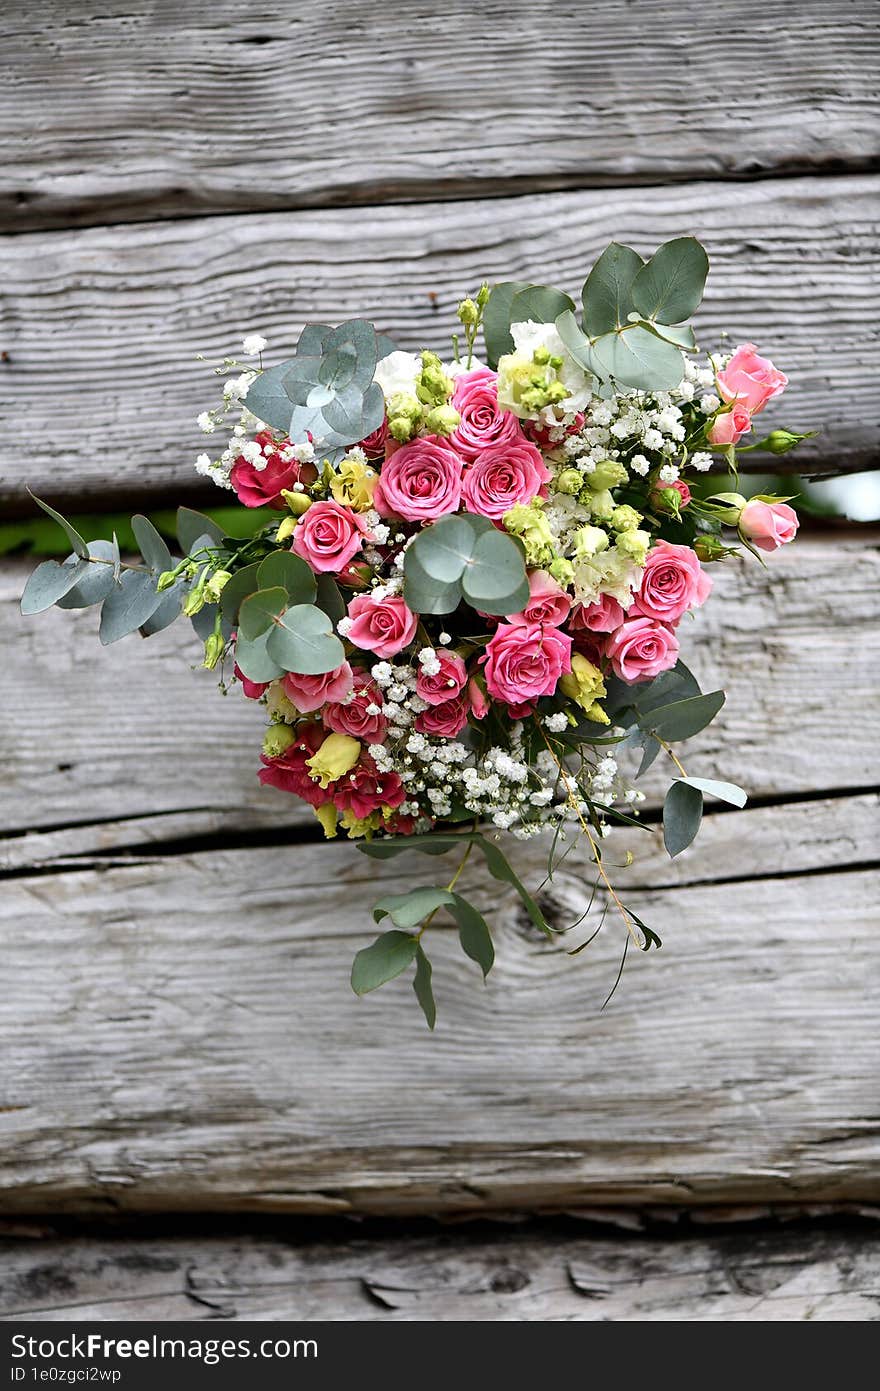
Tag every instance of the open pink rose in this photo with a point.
(353, 714)
(730, 426)
(641, 648)
(444, 684)
(525, 660)
(483, 422)
(309, 693)
(382, 626)
(504, 476)
(751, 379)
(602, 616)
(328, 536)
(445, 720)
(768, 525)
(365, 789)
(420, 482)
(262, 487)
(289, 772)
(673, 581)
(548, 601)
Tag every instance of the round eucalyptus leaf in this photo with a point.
(167, 611)
(638, 358)
(243, 583)
(670, 286)
(97, 581)
(607, 293)
(290, 572)
(444, 549)
(320, 396)
(302, 640)
(329, 598)
(152, 547)
(193, 527)
(259, 611)
(496, 319)
(52, 580)
(384, 959)
(408, 909)
(495, 579)
(540, 303)
(425, 595)
(682, 335)
(129, 604)
(252, 658)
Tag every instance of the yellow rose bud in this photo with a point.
(328, 816)
(297, 502)
(337, 756)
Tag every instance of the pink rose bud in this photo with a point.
(768, 525)
(665, 503)
(477, 698)
(730, 426)
(751, 379)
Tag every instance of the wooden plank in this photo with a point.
(101, 325)
(531, 1274)
(95, 734)
(180, 1035)
(165, 110)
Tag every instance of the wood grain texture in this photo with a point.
(101, 326)
(180, 1036)
(769, 1276)
(131, 736)
(158, 109)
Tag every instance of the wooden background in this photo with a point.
(177, 1032)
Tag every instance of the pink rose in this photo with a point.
(751, 379)
(382, 626)
(328, 535)
(420, 482)
(673, 581)
(352, 716)
(445, 720)
(548, 601)
(503, 476)
(768, 525)
(252, 689)
(444, 684)
(374, 444)
(525, 661)
(308, 693)
(730, 426)
(365, 789)
(641, 648)
(602, 616)
(289, 772)
(483, 422)
(262, 487)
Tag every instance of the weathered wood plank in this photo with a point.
(106, 734)
(180, 1036)
(101, 326)
(770, 1276)
(164, 110)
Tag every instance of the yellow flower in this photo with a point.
(529, 523)
(352, 485)
(337, 756)
(357, 826)
(277, 738)
(297, 502)
(327, 815)
(585, 686)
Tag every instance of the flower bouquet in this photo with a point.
(461, 602)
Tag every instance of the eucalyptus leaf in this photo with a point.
(495, 579)
(152, 547)
(679, 683)
(473, 933)
(329, 598)
(424, 595)
(496, 319)
(268, 398)
(423, 988)
(191, 526)
(683, 718)
(302, 640)
(607, 293)
(724, 791)
(682, 814)
(167, 610)
(577, 345)
(97, 580)
(242, 584)
(253, 660)
(290, 572)
(79, 546)
(409, 909)
(539, 303)
(637, 358)
(52, 580)
(384, 959)
(682, 335)
(128, 605)
(670, 286)
(259, 611)
(444, 549)
(650, 749)
(204, 620)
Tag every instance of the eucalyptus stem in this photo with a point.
(449, 887)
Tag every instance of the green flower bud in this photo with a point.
(709, 547)
(608, 473)
(468, 312)
(625, 518)
(433, 387)
(589, 541)
(214, 645)
(166, 580)
(727, 507)
(297, 502)
(531, 526)
(634, 545)
(216, 584)
(277, 739)
(602, 506)
(562, 570)
(483, 295)
(780, 441)
(541, 356)
(196, 599)
(570, 480)
(442, 420)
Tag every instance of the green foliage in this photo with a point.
(497, 319)
(464, 557)
(411, 908)
(382, 961)
(423, 987)
(129, 604)
(51, 581)
(151, 545)
(607, 294)
(79, 546)
(669, 288)
(290, 572)
(473, 933)
(724, 791)
(682, 814)
(193, 528)
(683, 718)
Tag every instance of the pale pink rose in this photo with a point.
(504, 476)
(445, 684)
(420, 481)
(751, 379)
(446, 720)
(730, 426)
(382, 626)
(768, 525)
(548, 601)
(483, 422)
(641, 648)
(602, 616)
(477, 698)
(308, 693)
(673, 581)
(352, 716)
(524, 661)
(328, 536)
